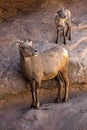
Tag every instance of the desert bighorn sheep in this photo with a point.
(46, 65)
(63, 20)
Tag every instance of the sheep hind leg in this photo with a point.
(66, 86)
(68, 32)
(59, 98)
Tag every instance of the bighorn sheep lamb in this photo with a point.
(63, 20)
(46, 65)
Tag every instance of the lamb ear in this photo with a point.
(62, 8)
(18, 42)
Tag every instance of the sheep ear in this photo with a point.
(62, 9)
(30, 43)
(18, 42)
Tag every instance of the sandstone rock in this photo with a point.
(39, 26)
(36, 26)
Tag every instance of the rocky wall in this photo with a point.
(39, 26)
(11, 9)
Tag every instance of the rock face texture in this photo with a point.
(40, 28)
(14, 8)
(78, 53)
(34, 20)
(37, 27)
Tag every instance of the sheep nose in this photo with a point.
(36, 53)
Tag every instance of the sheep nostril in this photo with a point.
(35, 50)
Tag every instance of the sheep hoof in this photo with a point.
(64, 43)
(69, 38)
(33, 105)
(58, 100)
(64, 99)
(56, 42)
(36, 107)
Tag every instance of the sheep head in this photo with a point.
(25, 48)
(60, 13)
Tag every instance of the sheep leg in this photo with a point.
(66, 82)
(67, 30)
(33, 94)
(38, 84)
(57, 35)
(70, 33)
(64, 38)
(58, 98)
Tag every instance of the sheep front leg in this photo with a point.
(70, 33)
(67, 30)
(33, 88)
(38, 84)
(57, 34)
(64, 38)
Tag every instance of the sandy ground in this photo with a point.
(66, 116)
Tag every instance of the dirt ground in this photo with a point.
(67, 116)
(15, 112)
